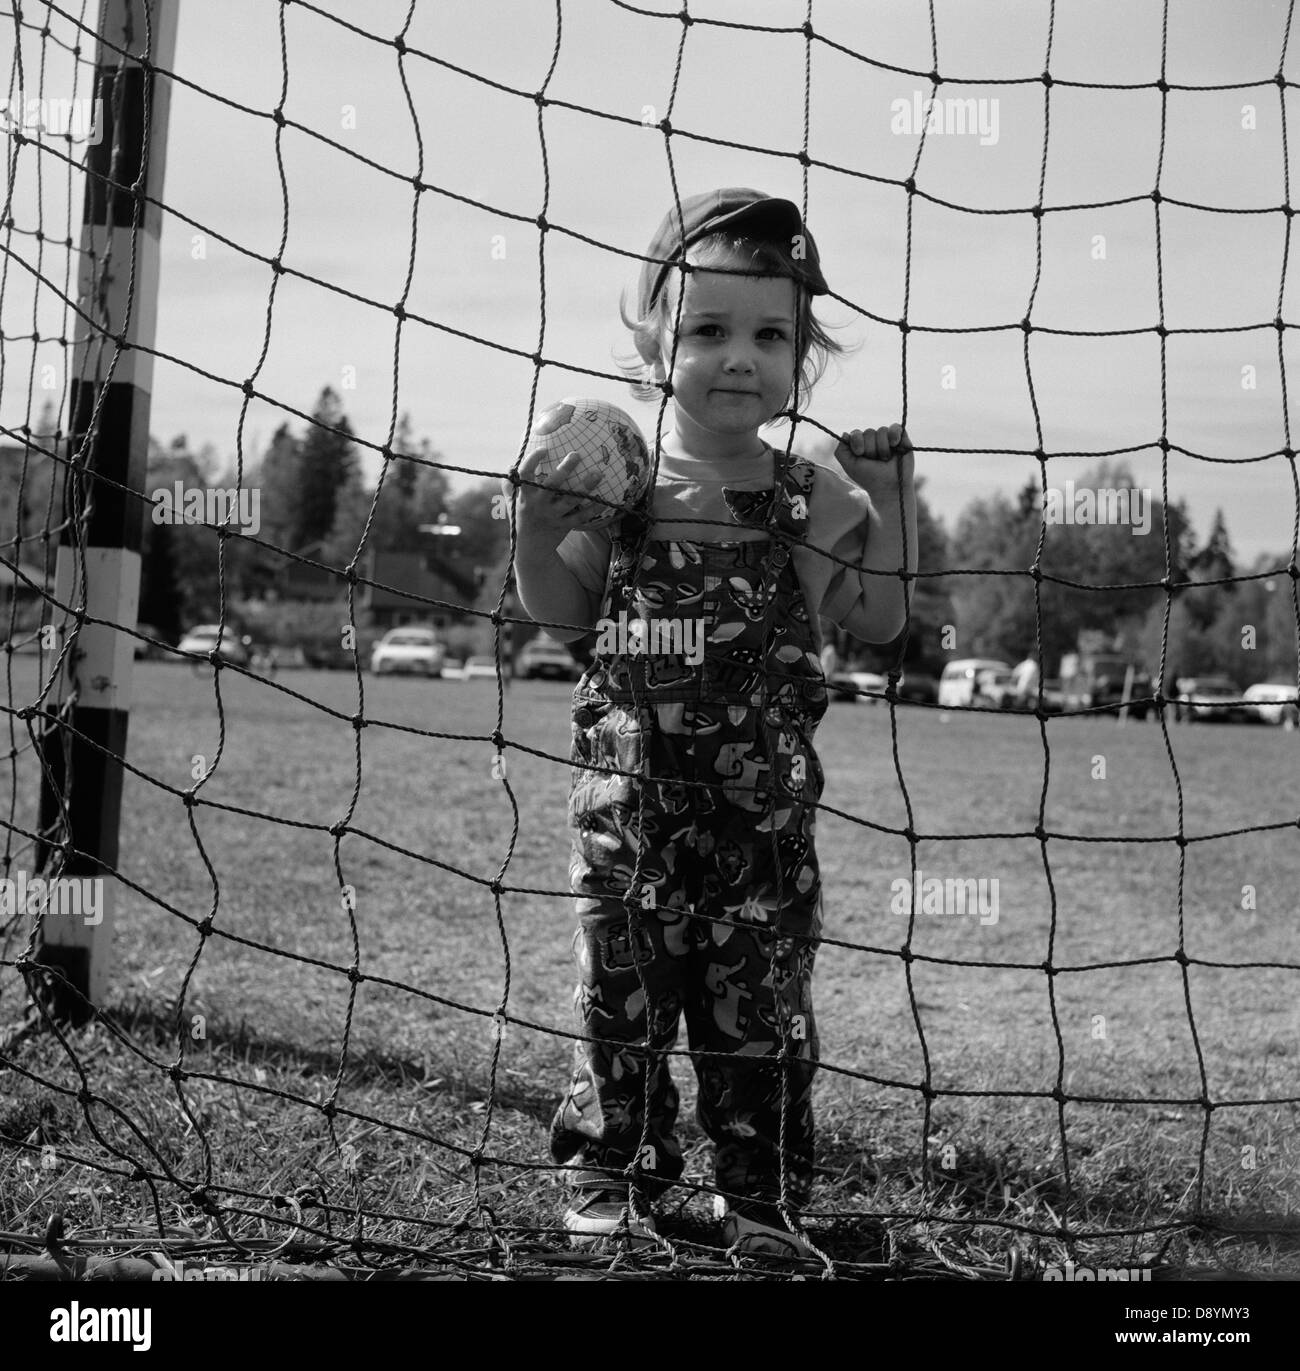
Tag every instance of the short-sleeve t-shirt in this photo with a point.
(689, 505)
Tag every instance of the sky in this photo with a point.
(482, 271)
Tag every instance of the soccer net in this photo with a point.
(284, 942)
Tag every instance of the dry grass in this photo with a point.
(231, 1149)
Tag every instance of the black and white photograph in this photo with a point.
(649, 644)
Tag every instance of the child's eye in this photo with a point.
(775, 332)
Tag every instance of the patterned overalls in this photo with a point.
(707, 771)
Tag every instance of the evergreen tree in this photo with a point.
(327, 462)
(279, 478)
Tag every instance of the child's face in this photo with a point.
(735, 359)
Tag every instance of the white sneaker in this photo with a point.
(599, 1216)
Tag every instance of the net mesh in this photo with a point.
(290, 1077)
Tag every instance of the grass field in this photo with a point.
(414, 1088)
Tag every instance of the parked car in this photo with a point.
(1053, 697)
(995, 688)
(545, 656)
(857, 685)
(957, 684)
(918, 687)
(1272, 702)
(1090, 682)
(152, 645)
(473, 668)
(1208, 698)
(483, 668)
(202, 639)
(408, 649)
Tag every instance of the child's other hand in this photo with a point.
(556, 506)
(876, 459)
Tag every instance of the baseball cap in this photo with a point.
(732, 208)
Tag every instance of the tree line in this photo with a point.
(975, 595)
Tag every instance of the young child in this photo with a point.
(695, 781)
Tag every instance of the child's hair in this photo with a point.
(751, 257)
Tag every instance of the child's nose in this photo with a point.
(739, 358)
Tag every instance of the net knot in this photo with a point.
(1037, 211)
(276, 265)
(685, 17)
(1047, 78)
(910, 185)
(1156, 197)
(1163, 444)
(1162, 86)
(1180, 956)
(495, 886)
(1181, 840)
(359, 721)
(1047, 969)
(205, 927)
(277, 115)
(1293, 571)
(665, 125)
(540, 100)
(1281, 81)
(399, 310)
(178, 1073)
(1279, 323)
(904, 326)
(247, 387)
(338, 828)
(354, 974)
(1026, 325)
(1060, 1096)
(1040, 833)
(400, 44)
(1036, 572)
(498, 739)
(935, 78)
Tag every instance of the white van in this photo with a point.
(957, 684)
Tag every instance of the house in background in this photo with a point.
(416, 587)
